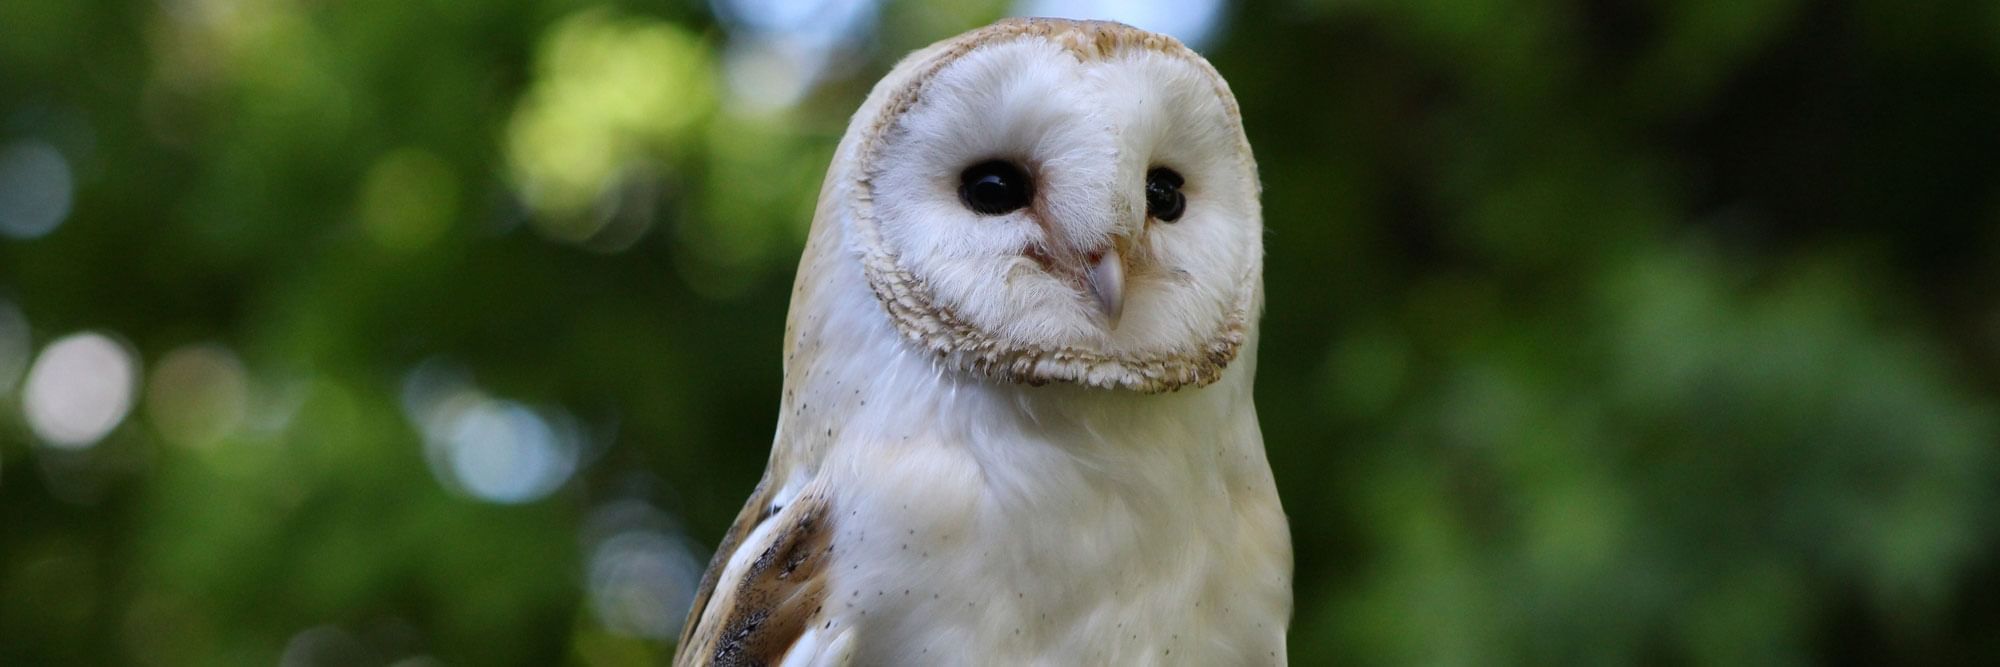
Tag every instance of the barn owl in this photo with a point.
(1017, 421)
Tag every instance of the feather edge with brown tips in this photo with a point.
(760, 613)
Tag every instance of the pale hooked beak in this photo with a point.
(1106, 278)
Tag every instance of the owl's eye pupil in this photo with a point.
(994, 187)
(1164, 200)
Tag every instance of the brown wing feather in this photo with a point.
(754, 512)
(756, 617)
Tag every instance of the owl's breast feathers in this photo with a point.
(761, 610)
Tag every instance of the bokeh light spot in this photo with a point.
(79, 389)
(503, 452)
(36, 189)
(642, 582)
(780, 49)
(767, 75)
(198, 395)
(609, 93)
(491, 449)
(818, 21)
(1191, 21)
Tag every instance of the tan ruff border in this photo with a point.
(959, 343)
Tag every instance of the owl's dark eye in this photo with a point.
(994, 187)
(1164, 200)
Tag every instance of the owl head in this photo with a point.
(1058, 201)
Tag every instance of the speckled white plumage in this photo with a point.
(975, 466)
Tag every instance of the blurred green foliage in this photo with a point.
(1600, 331)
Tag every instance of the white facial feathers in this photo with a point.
(1087, 112)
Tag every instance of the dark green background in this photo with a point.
(1600, 331)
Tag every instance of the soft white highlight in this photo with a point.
(79, 390)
